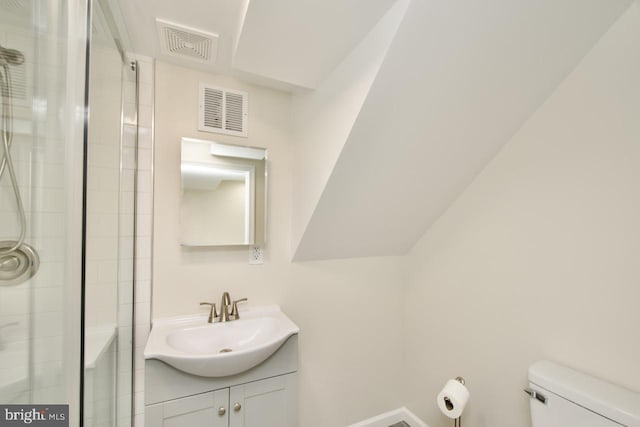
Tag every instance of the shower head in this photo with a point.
(11, 56)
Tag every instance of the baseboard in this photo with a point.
(391, 417)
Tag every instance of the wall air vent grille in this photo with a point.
(184, 42)
(223, 111)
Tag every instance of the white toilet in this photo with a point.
(562, 397)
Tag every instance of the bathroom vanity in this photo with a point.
(269, 402)
(261, 394)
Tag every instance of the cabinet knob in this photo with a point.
(222, 410)
(237, 407)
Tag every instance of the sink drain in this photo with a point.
(225, 350)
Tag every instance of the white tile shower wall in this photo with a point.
(103, 185)
(103, 223)
(143, 223)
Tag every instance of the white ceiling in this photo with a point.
(301, 41)
(280, 43)
(222, 17)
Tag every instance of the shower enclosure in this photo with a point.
(67, 210)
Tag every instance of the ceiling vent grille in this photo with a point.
(223, 111)
(184, 42)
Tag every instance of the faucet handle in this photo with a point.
(213, 313)
(234, 310)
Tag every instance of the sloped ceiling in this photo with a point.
(454, 81)
(457, 82)
(302, 41)
(285, 44)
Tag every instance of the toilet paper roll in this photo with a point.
(453, 398)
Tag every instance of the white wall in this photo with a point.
(348, 311)
(539, 257)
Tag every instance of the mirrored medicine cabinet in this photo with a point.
(223, 194)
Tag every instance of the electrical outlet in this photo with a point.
(255, 255)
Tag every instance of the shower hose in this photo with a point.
(7, 161)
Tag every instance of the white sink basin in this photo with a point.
(194, 346)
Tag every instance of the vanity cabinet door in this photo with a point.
(206, 410)
(266, 403)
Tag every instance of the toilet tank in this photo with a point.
(562, 397)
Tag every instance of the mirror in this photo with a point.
(223, 200)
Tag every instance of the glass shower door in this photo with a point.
(109, 235)
(42, 69)
(102, 227)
